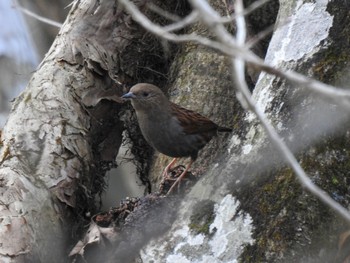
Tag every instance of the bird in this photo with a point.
(169, 128)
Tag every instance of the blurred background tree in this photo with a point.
(23, 43)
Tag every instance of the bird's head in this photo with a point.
(146, 96)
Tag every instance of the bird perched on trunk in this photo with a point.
(170, 129)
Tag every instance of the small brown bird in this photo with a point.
(169, 128)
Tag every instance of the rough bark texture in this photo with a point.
(292, 225)
(55, 149)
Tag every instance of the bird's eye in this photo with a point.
(145, 94)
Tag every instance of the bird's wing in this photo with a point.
(192, 122)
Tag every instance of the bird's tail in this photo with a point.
(224, 129)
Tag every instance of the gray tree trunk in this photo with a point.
(249, 206)
(54, 148)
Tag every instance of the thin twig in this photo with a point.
(229, 48)
(261, 35)
(159, 11)
(254, 6)
(36, 16)
(191, 18)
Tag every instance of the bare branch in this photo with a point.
(159, 11)
(228, 47)
(254, 6)
(36, 16)
(191, 18)
(241, 33)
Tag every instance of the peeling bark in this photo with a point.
(55, 149)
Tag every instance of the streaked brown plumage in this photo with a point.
(169, 128)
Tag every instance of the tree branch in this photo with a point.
(228, 47)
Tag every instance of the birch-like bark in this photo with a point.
(56, 147)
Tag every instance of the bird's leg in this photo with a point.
(180, 177)
(168, 167)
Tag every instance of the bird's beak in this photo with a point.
(129, 95)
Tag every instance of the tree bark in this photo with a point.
(270, 217)
(55, 149)
(292, 225)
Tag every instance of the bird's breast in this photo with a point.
(168, 137)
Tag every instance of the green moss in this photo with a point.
(332, 61)
(328, 165)
(202, 217)
(288, 218)
(272, 206)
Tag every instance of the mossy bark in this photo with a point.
(291, 224)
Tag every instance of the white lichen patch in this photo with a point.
(310, 21)
(234, 143)
(247, 148)
(262, 95)
(279, 126)
(307, 21)
(229, 232)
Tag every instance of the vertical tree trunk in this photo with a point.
(55, 147)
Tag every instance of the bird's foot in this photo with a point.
(178, 175)
(170, 177)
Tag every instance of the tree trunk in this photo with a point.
(247, 206)
(251, 208)
(55, 149)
